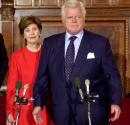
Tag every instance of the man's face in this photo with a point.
(73, 20)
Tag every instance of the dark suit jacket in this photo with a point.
(100, 70)
(3, 60)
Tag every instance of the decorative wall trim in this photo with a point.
(7, 10)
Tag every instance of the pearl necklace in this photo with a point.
(33, 49)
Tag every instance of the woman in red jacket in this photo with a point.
(23, 67)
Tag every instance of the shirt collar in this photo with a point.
(68, 35)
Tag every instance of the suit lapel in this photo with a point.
(61, 49)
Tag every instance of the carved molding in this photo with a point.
(7, 10)
(57, 3)
(101, 12)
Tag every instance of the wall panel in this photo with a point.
(110, 18)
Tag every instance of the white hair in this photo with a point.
(73, 4)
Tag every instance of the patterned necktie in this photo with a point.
(69, 58)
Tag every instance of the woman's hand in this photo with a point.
(10, 120)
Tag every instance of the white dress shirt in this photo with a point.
(76, 42)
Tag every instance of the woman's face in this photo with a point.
(32, 34)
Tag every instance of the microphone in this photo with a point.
(18, 87)
(78, 83)
(87, 84)
(25, 90)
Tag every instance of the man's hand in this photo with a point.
(37, 115)
(115, 111)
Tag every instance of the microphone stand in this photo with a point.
(18, 115)
(21, 101)
(87, 84)
(89, 113)
(88, 99)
